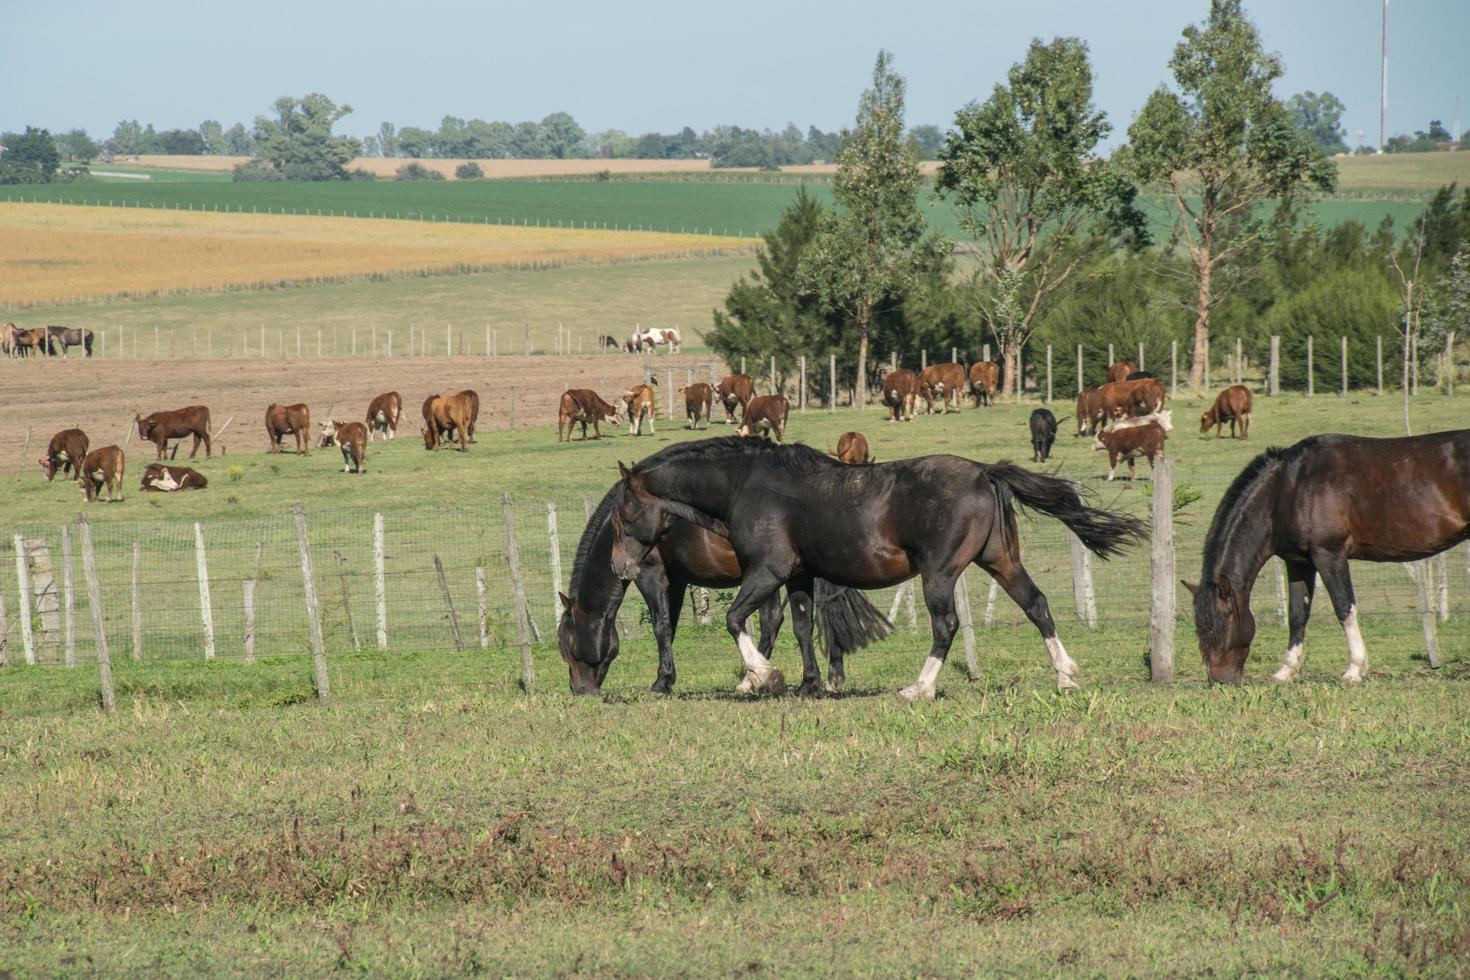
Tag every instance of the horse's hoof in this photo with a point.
(834, 686)
(1066, 682)
(809, 689)
(775, 682)
(663, 685)
(917, 692)
(1352, 678)
(1284, 675)
(747, 686)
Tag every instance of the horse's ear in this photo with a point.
(1193, 589)
(625, 474)
(565, 602)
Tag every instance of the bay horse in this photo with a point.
(1317, 505)
(587, 634)
(792, 514)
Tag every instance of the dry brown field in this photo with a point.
(57, 252)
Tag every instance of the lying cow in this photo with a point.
(1231, 405)
(292, 420)
(766, 414)
(640, 405)
(901, 394)
(352, 438)
(580, 406)
(162, 478)
(444, 416)
(942, 383)
(735, 391)
(1130, 438)
(102, 467)
(159, 427)
(383, 414)
(852, 447)
(699, 399)
(1043, 434)
(984, 381)
(67, 450)
(1119, 370)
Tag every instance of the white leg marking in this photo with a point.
(1064, 665)
(759, 674)
(1357, 650)
(923, 688)
(1291, 665)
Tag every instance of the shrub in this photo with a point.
(252, 170)
(361, 173)
(469, 170)
(416, 171)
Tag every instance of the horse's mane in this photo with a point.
(589, 534)
(1228, 515)
(796, 458)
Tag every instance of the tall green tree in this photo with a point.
(1222, 147)
(76, 145)
(1023, 170)
(214, 137)
(298, 143)
(30, 157)
(869, 251)
(1320, 117)
(127, 138)
(561, 136)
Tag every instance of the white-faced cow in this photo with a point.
(162, 478)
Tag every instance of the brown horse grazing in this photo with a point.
(1317, 505)
(588, 632)
(793, 514)
(1231, 405)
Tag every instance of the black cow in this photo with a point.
(1043, 434)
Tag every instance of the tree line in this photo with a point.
(1054, 248)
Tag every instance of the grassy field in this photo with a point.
(55, 253)
(434, 819)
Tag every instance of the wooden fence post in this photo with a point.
(1082, 590)
(484, 598)
(1421, 573)
(1379, 344)
(526, 336)
(1081, 382)
(69, 619)
(1174, 369)
(1280, 578)
(1111, 358)
(923, 359)
(1442, 581)
(1140, 355)
(346, 600)
(380, 588)
(4, 634)
(774, 390)
(1161, 596)
(23, 579)
(1344, 367)
(247, 588)
(318, 645)
(554, 541)
(1048, 374)
(448, 604)
(1274, 386)
(523, 614)
(1311, 372)
(669, 392)
(801, 391)
(99, 624)
(831, 382)
(137, 651)
(967, 626)
(206, 613)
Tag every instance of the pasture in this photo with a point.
(434, 818)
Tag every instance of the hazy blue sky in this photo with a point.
(661, 65)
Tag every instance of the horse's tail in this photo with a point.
(846, 620)
(1105, 533)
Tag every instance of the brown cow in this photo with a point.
(352, 439)
(1231, 405)
(942, 382)
(162, 478)
(284, 420)
(984, 381)
(1129, 442)
(446, 415)
(1089, 411)
(580, 406)
(766, 414)
(1119, 370)
(159, 427)
(901, 394)
(471, 399)
(640, 404)
(383, 414)
(1121, 399)
(852, 447)
(67, 450)
(733, 390)
(102, 467)
(699, 399)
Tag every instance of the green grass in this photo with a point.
(156, 175)
(434, 819)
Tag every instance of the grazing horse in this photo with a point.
(66, 338)
(1317, 505)
(793, 513)
(688, 555)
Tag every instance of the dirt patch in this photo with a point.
(102, 396)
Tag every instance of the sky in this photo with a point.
(654, 65)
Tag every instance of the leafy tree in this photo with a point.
(181, 142)
(416, 171)
(929, 139)
(299, 143)
(415, 142)
(1222, 147)
(1036, 202)
(30, 157)
(561, 136)
(213, 135)
(469, 170)
(823, 146)
(387, 140)
(128, 138)
(77, 146)
(868, 252)
(1320, 117)
(239, 141)
(526, 142)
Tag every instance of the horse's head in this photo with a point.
(639, 520)
(1225, 627)
(588, 642)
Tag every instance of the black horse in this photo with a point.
(792, 513)
(1318, 504)
(62, 339)
(688, 555)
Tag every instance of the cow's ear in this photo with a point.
(565, 602)
(1193, 589)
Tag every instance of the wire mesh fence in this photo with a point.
(402, 579)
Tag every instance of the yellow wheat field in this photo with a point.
(54, 253)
